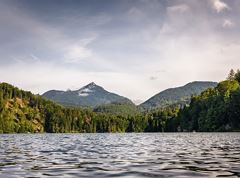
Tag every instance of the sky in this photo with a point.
(135, 48)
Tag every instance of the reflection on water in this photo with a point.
(120, 155)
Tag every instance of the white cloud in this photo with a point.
(227, 23)
(181, 8)
(167, 29)
(184, 42)
(36, 35)
(219, 5)
(86, 41)
(75, 53)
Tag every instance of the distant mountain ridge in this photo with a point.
(93, 96)
(90, 95)
(179, 95)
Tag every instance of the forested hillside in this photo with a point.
(124, 109)
(179, 95)
(215, 109)
(21, 112)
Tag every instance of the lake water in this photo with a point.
(120, 155)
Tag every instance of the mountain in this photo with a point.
(90, 95)
(179, 95)
(24, 112)
(215, 109)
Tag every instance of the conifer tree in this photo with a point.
(231, 75)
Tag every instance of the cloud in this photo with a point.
(34, 57)
(220, 6)
(30, 38)
(135, 13)
(118, 44)
(75, 53)
(177, 19)
(180, 8)
(228, 23)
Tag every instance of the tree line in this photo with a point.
(216, 109)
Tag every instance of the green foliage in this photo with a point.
(213, 110)
(161, 120)
(237, 76)
(234, 75)
(231, 75)
(123, 109)
(22, 111)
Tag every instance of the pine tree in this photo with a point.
(237, 76)
(231, 75)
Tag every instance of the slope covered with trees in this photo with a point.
(123, 109)
(179, 95)
(216, 109)
(22, 112)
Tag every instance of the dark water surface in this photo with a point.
(120, 155)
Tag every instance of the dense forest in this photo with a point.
(21, 112)
(215, 109)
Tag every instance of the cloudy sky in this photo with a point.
(135, 48)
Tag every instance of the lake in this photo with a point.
(120, 155)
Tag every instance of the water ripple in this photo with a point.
(120, 155)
